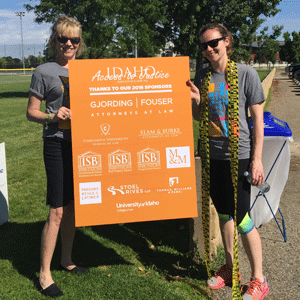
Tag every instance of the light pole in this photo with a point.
(22, 14)
(135, 45)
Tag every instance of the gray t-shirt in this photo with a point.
(250, 93)
(50, 81)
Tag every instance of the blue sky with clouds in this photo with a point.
(10, 27)
(37, 34)
(289, 16)
(34, 35)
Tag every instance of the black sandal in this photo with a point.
(52, 290)
(76, 270)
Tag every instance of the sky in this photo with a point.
(289, 17)
(35, 35)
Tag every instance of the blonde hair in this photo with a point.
(66, 25)
(224, 33)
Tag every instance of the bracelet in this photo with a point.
(48, 120)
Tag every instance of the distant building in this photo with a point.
(167, 51)
(255, 48)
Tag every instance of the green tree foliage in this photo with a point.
(111, 28)
(290, 52)
(241, 17)
(3, 63)
(33, 61)
(15, 63)
(11, 63)
(268, 45)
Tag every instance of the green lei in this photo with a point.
(233, 123)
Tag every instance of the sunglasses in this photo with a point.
(64, 39)
(213, 43)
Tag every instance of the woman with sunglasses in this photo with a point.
(222, 95)
(50, 83)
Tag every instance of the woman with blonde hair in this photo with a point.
(50, 83)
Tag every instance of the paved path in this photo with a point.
(281, 260)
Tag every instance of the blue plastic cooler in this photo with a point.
(274, 127)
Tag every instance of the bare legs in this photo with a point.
(67, 232)
(58, 218)
(251, 243)
(227, 231)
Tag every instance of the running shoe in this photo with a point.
(221, 278)
(255, 289)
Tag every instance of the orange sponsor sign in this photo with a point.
(132, 140)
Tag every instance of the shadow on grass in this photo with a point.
(14, 95)
(20, 244)
(174, 262)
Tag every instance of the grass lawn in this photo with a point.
(148, 260)
(262, 73)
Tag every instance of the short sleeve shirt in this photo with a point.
(250, 93)
(50, 82)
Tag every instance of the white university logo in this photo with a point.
(105, 128)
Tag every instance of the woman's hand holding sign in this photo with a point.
(195, 96)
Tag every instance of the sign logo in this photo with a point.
(148, 159)
(178, 157)
(119, 161)
(173, 181)
(89, 164)
(126, 189)
(90, 192)
(114, 191)
(105, 128)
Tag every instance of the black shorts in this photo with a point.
(59, 171)
(221, 188)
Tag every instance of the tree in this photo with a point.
(111, 28)
(290, 51)
(12, 63)
(242, 18)
(3, 63)
(33, 61)
(268, 44)
(271, 50)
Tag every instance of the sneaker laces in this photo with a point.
(253, 286)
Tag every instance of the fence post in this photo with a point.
(196, 239)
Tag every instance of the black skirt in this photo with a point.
(59, 171)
